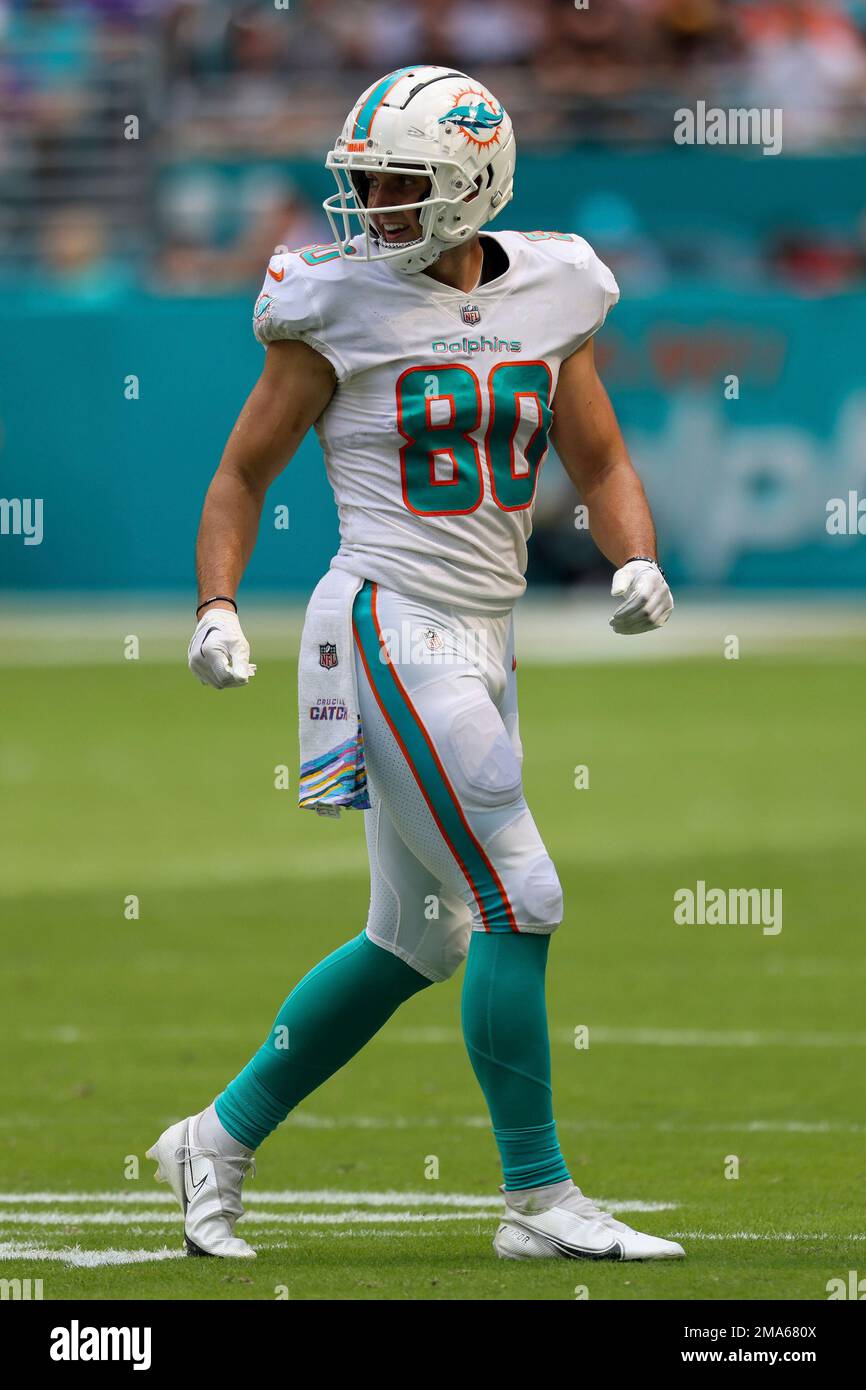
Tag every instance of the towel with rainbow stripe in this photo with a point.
(336, 779)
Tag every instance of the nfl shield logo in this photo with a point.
(470, 314)
(327, 655)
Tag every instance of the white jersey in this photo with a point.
(436, 432)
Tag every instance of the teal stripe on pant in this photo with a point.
(407, 727)
(327, 1018)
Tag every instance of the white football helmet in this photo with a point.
(431, 121)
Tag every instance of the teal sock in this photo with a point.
(505, 1029)
(326, 1019)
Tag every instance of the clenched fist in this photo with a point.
(648, 601)
(219, 654)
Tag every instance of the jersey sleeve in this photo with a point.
(287, 307)
(591, 293)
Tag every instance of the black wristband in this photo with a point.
(216, 598)
(649, 560)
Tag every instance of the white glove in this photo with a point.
(219, 654)
(648, 600)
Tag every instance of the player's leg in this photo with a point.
(443, 746)
(504, 980)
(345, 999)
(448, 768)
(328, 1017)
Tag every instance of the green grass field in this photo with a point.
(705, 1042)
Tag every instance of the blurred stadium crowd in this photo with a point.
(215, 80)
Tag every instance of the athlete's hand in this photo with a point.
(648, 601)
(219, 654)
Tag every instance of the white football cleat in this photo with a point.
(208, 1186)
(576, 1229)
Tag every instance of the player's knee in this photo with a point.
(433, 942)
(445, 951)
(528, 873)
(486, 762)
(542, 904)
(438, 954)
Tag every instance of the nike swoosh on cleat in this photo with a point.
(188, 1182)
(196, 1186)
(613, 1252)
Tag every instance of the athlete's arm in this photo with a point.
(589, 442)
(294, 388)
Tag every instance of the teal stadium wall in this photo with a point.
(740, 487)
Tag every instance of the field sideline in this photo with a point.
(706, 1044)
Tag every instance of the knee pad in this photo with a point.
(528, 874)
(485, 759)
(542, 894)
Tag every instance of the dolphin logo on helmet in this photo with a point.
(475, 117)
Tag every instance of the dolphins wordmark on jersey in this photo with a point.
(436, 432)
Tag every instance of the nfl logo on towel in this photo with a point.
(328, 655)
(470, 314)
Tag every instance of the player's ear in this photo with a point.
(480, 182)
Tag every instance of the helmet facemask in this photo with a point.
(442, 212)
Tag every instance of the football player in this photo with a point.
(434, 361)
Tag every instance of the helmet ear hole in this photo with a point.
(483, 181)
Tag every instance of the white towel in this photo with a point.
(333, 773)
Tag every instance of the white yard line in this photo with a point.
(117, 1216)
(651, 1037)
(304, 1120)
(698, 1037)
(457, 1201)
(85, 1259)
(332, 1197)
(128, 1210)
(386, 1123)
(314, 864)
(90, 1259)
(764, 1235)
(434, 1036)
